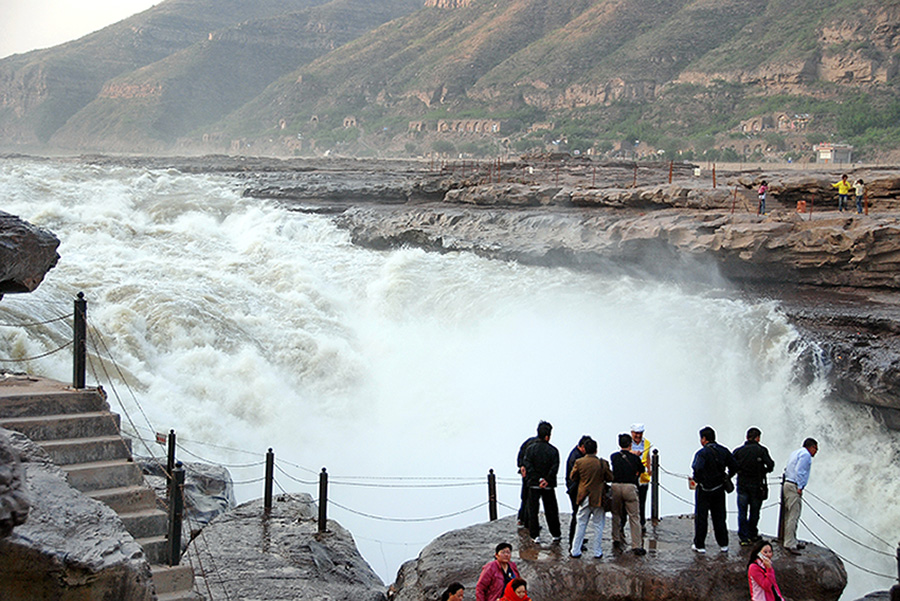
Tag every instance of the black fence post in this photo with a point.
(170, 463)
(323, 500)
(780, 536)
(270, 476)
(492, 496)
(895, 590)
(176, 514)
(654, 486)
(79, 348)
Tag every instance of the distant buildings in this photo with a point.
(833, 153)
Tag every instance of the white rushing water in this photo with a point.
(245, 326)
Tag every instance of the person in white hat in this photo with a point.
(640, 446)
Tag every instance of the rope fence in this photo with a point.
(101, 362)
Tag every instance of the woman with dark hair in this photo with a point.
(454, 592)
(496, 574)
(516, 590)
(761, 574)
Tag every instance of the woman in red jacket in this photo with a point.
(516, 590)
(496, 574)
(761, 574)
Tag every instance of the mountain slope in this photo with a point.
(40, 90)
(155, 105)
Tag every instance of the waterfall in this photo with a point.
(244, 326)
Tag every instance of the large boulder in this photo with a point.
(27, 253)
(283, 556)
(670, 570)
(208, 492)
(14, 503)
(71, 547)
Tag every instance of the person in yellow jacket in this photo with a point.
(843, 187)
(641, 446)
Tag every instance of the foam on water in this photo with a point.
(245, 326)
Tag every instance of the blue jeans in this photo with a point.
(748, 504)
(843, 200)
(859, 204)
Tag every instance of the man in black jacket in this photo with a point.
(520, 463)
(540, 466)
(627, 469)
(753, 463)
(713, 465)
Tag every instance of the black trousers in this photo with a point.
(642, 497)
(551, 511)
(710, 503)
(573, 497)
(523, 506)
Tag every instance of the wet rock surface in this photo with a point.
(283, 556)
(14, 503)
(71, 546)
(670, 570)
(27, 253)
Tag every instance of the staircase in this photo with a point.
(82, 436)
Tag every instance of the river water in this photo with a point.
(245, 326)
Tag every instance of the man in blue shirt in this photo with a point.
(796, 476)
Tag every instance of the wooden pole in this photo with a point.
(714, 175)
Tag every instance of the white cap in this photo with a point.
(637, 427)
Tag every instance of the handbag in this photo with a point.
(606, 497)
(729, 485)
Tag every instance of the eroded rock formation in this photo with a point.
(283, 556)
(27, 253)
(14, 503)
(71, 547)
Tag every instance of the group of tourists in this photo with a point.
(713, 468)
(844, 189)
(594, 485)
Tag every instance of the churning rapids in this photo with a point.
(243, 326)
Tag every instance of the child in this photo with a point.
(763, 188)
(860, 188)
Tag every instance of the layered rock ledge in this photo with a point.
(670, 570)
(71, 547)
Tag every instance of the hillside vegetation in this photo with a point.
(762, 79)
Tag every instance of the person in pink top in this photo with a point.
(761, 574)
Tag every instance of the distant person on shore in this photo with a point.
(753, 464)
(520, 463)
(640, 446)
(860, 188)
(627, 469)
(713, 466)
(496, 574)
(761, 193)
(572, 484)
(592, 474)
(843, 188)
(796, 476)
(541, 465)
(517, 590)
(454, 592)
(761, 574)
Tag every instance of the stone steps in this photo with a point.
(82, 436)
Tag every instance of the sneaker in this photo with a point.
(598, 556)
(639, 551)
(556, 539)
(746, 543)
(698, 549)
(537, 540)
(801, 545)
(723, 549)
(792, 550)
(575, 556)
